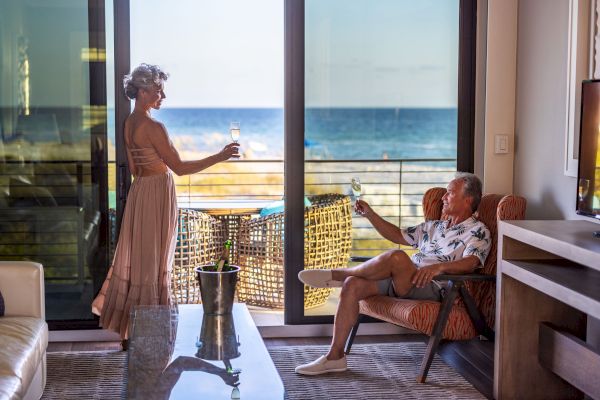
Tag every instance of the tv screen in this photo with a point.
(588, 176)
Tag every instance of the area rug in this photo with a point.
(86, 375)
(376, 371)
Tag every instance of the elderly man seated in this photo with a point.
(456, 245)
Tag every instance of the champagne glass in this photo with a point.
(234, 131)
(356, 189)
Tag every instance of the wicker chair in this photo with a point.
(327, 243)
(200, 239)
(468, 310)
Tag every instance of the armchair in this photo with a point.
(327, 243)
(200, 240)
(468, 309)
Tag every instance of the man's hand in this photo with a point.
(363, 208)
(424, 275)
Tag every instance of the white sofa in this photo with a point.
(23, 331)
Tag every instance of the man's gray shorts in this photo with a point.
(432, 291)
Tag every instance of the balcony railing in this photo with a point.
(393, 187)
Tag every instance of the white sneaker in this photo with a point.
(318, 278)
(322, 366)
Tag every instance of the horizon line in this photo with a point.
(312, 107)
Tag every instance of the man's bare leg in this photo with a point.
(360, 282)
(354, 290)
(395, 264)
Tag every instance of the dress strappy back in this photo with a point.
(143, 156)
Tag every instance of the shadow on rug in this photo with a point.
(375, 371)
(86, 375)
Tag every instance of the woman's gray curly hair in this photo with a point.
(145, 76)
(471, 188)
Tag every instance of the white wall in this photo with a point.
(540, 110)
(500, 93)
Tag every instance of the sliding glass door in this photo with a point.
(53, 171)
(377, 93)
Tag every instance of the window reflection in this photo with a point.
(52, 135)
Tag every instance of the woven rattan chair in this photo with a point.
(468, 310)
(200, 239)
(327, 243)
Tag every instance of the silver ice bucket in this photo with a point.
(217, 289)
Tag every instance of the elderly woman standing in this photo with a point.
(140, 272)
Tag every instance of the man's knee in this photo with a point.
(398, 257)
(353, 286)
(399, 262)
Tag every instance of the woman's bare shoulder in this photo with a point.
(145, 124)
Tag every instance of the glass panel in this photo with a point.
(53, 131)
(381, 84)
(225, 61)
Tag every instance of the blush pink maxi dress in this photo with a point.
(141, 270)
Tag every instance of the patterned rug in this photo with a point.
(86, 375)
(376, 371)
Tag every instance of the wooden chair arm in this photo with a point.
(359, 259)
(464, 277)
(443, 277)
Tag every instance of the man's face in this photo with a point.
(455, 202)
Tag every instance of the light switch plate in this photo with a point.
(501, 144)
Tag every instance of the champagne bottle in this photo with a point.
(223, 262)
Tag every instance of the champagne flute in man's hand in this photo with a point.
(234, 131)
(356, 190)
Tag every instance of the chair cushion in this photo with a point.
(24, 342)
(279, 206)
(419, 315)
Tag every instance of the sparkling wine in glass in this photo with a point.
(356, 188)
(356, 191)
(234, 131)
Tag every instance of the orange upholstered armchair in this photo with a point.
(468, 309)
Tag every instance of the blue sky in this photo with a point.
(359, 53)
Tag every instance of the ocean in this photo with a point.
(330, 133)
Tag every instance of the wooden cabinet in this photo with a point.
(548, 287)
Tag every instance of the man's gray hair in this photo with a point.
(471, 187)
(145, 76)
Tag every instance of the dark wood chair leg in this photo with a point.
(476, 315)
(353, 334)
(438, 329)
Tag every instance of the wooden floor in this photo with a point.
(473, 359)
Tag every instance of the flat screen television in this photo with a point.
(588, 176)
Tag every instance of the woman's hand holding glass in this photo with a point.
(232, 150)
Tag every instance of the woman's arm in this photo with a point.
(169, 154)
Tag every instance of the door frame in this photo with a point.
(294, 54)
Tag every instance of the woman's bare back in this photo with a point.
(144, 159)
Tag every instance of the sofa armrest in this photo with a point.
(22, 286)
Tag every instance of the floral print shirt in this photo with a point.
(437, 243)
